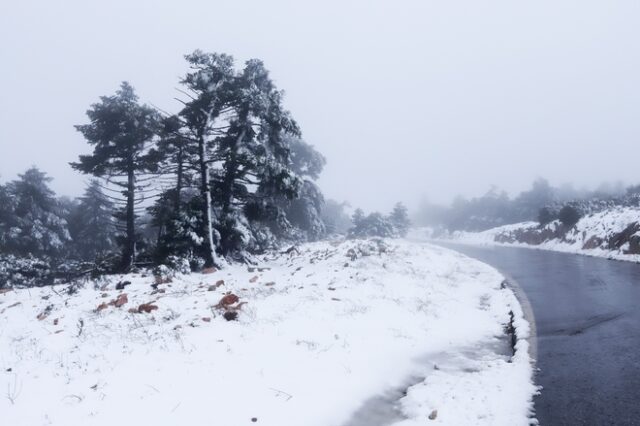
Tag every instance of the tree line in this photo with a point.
(226, 176)
(542, 202)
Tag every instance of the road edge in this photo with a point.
(527, 311)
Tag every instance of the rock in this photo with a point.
(433, 415)
(4, 290)
(216, 285)
(253, 279)
(209, 270)
(102, 307)
(228, 300)
(121, 300)
(592, 243)
(55, 321)
(269, 284)
(625, 236)
(206, 319)
(147, 308)
(122, 284)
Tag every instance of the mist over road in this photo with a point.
(587, 315)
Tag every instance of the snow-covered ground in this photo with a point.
(332, 334)
(590, 236)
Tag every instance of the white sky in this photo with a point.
(404, 98)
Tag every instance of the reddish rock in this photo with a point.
(209, 270)
(228, 300)
(147, 308)
(121, 300)
(102, 307)
(253, 279)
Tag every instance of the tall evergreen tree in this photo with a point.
(254, 151)
(399, 218)
(121, 132)
(303, 213)
(208, 88)
(37, 226)
(93, 225)
(6, 215)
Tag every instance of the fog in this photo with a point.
(406, 99)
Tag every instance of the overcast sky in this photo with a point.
(405, 98)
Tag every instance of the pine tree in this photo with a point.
(37, 226)
(6, 215)
(121, 131)
(399, 218)
(93, 226)
(208, 87)
(304, 212)
(254, 151)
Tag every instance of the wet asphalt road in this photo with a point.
(587, 313)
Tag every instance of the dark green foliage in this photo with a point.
(547, 215)
(121, 131)
(372, 225)
(569, 215)
(32, 220)
(92, 225)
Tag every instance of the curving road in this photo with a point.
(587, 314)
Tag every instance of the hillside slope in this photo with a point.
(318, 333)
(613, 233)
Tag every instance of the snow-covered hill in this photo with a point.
(612, 233)
(330, 334)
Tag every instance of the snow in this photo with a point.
(602, 225)
(325, 330)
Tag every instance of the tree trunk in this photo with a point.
(210, 248)
(129, 251)
(230, 177)
(180, 172)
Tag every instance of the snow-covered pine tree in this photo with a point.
(303, 212)
(36, 227)
(6, 215)
(399, 218)
(208, 87)
(92, 226)
(173, 217)
(254, 152)
(121, 132)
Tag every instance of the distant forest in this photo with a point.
(542, 203)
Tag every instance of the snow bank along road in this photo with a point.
(320, 333)
(588, 332)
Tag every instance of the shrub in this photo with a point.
(547, 215)
(569, 215)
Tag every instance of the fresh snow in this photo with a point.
(331, 334)
(603, 225)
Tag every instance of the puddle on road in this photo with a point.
(385, 409)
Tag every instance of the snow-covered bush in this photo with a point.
(373, 225)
